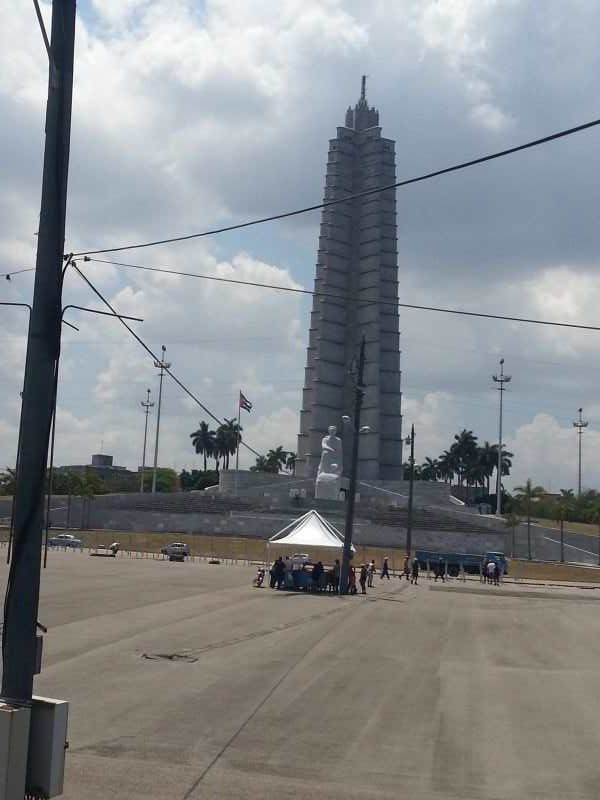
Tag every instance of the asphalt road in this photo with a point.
(185, 682)
(545, 545)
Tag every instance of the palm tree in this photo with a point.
(488, 460)
(203, 441)
(511, 520)
(447, 466)
(525, 495)
(290, 462)
(276, 458)
(464, 449)
(232, 436)
(263, 465)
(430, 469)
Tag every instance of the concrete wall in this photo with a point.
(264, 525)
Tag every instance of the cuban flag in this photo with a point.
(245, 403)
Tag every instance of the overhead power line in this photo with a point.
(9, 275)
(332, 295)
(327, 203)
(154, 356)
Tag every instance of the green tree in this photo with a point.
(197, 479)
(447, 466)
(8, 481)
(488, 460)
(276, 458)
(227, 436)
(262, 465)
(464, 449)
(203, 441)
(430, 469)
(525, 496)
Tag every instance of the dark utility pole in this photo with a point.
(161, 365)
(146, 405)
(580, 424)
(411, 486)
(43, 347)
(358, 399)
(500, 379)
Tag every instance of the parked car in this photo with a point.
(176, 551)
(64, 540)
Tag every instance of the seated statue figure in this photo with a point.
(329, 471)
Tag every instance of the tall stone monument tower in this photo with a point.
(357, 260)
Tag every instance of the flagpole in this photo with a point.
(237, 449)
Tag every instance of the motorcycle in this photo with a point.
(260, 576)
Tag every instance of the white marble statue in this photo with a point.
(329, 471)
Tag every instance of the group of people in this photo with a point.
(490, 572)
(322, 579)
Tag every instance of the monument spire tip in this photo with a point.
(363, 87)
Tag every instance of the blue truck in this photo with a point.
(472, 562)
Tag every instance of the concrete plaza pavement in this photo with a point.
(186, 682)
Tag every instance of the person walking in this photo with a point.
(491, 572)
(363, 578)
(336, 575)
(407, 567)
(385, 569)
(496, 573)
(351, 579)
(372, 569)
(439, 571)
(414, 575)
(273, 574)
(317, 571)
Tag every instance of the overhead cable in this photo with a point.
(336, 296)
(154, 356)
(349, 198)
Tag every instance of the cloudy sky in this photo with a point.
(191, 115)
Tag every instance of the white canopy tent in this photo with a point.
(309, 530)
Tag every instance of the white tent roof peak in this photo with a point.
(310, 530)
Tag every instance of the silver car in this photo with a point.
(64, 540)
(179, 550)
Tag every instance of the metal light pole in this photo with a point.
(358, 398)
(580, 424)
(162, 365)
(500, 379)
(146, 405)
(409, 519)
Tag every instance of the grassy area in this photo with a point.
(236, 548)
(586, 528)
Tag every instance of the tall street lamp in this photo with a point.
(580, 424)
(146, 405)
(161, 365)
(409, 518)
(500, 379)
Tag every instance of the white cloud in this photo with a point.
(187, 116)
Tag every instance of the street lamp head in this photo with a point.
(365, 429)
(501, 361)
(345, 418)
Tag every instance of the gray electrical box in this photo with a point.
(47, 746)
(14, 725)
